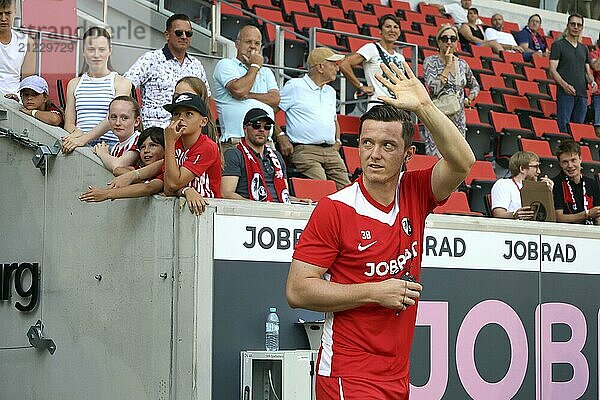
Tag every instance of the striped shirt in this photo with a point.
(129, 144)
(92, 97)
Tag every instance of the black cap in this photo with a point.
(190, 100)
(256, 114)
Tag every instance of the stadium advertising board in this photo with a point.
(502, 315)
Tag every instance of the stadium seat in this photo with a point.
(531, 90)
(537, 75)
(362, 19)
(419, 161)
(232, 20)
(398, 5)
(294, 6)
(349, 129)
(507, 71)
(496, 86)
(549, 165)
(380, 10)
(270, 14)
(479, 135)
(351, 5)
(548, 129)
(484, 53)
(585, 134)
(312, 4)
(328, 40)
(589, 166)
(508, 128)
(343, 26)
(480, 180)
(303, 23)
(548, 107)
(250, 4)
(429, 10)
(327, 13)
(458, 204)
(484, 104)
(515, 59)
(520, 106)
(314, 189)
(356, 43)
(541, 62)
(352, 160)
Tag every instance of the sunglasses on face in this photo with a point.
(576, 24)
(256, 125)
(448, 39)
(179, 33)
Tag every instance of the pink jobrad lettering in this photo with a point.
(435, 315)
(491, 312)
(569, 352)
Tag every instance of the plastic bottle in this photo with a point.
(272, 331)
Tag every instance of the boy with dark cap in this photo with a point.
(191, 158)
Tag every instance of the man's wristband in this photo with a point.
(33, 112)
(185, 189)
(258, 67)
(587, 214)
(338, 141)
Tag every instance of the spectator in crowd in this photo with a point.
(570, 68)
(506, 193)
(34, 95)
(576, 197)
(505, 39)
(151, 146)
(312, 137)
(595, 66)
(126, 123)
(588, 8)
(192, 84)
(191, 158)
(458, 12)
(89, 95)
(17, 59)
(446, 76)
(157, 72)
(241, 84)
(338, 265)
(254, 171)
(371, 56)
(471, 33)
(530, 39)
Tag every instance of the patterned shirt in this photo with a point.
(156, 73)
(129, 144)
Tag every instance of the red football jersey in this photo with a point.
(204, 161)
(359, 240)
(130, 144)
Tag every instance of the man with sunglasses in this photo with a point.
(254, 171)
(156, 72)
(506, 193)
(570, 68)
(312, 137)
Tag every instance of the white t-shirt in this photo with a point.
(457, 12)
(500, 37)
(506, 193)
(371, 65)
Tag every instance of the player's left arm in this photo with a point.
(457, 156)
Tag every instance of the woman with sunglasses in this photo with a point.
(89, 95)
(156, 72)
(446, 77)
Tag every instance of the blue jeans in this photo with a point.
(570, 109)
(596, 105)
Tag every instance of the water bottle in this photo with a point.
(272, 330)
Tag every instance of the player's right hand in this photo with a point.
(397, 294)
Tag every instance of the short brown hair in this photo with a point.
(386, 17)
(568, 146)
(387, 113)
(521, 159)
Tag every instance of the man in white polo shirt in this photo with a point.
(242, 83)
(312, 138)
(506, 39)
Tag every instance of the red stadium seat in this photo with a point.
(273, 15)
(352, 159)
(585, 134)
(362, 18)
(328, 40)
(250, 4)
(429, 10)
(290, 6)
(510, 131)
(480, 181)
(541, 62)
(483, 171)
(456, 204)
(511, 27)
(356, 43)
(589, 166)
(548, 129)
(485, 52)
(344, 27)
(400, 5)
(304, 22)
(348, 123)
(352, 5)
(312, 4)
(513, 57)
(548, 107)
(536, 75)
(411, 17)
(419, 161)
(314, 189)
(327, 13)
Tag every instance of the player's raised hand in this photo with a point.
(409, 91)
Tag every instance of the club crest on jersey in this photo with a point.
(406, 226)
(259, 192)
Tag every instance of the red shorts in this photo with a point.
(337, 388)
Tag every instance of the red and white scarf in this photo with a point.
(257, 185)
(569, 196)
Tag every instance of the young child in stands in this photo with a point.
(34, 96)
(126, 123)
(151, 145)
(191, 158)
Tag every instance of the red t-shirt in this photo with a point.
(203, 160)
(596, 54)
(359, 240)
